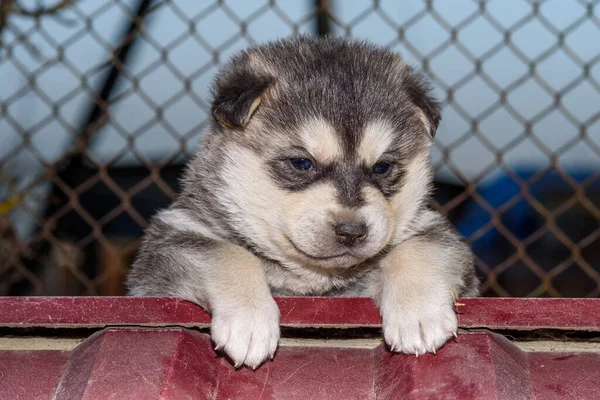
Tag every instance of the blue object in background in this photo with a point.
(522, 219)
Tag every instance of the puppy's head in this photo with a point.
(324, 149)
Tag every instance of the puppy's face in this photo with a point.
(317, 172)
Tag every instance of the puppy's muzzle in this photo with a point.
(350, 233)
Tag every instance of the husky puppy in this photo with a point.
(313, 179)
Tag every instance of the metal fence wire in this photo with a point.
(101, 103)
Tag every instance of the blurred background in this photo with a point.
(101, 103)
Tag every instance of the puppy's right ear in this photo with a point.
(419, 90)
(237, 95)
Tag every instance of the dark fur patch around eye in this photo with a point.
(390, 183)
(348, 179)
(289, 178)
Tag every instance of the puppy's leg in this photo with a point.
(224, 278)
(418, 279)
(245, 318)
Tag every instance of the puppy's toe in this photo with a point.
(438, 328)
(261, 346)
(417, 333)
(403, 335)
(247, 335)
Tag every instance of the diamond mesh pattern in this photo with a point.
(536, 73)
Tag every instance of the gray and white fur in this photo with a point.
(314, 178)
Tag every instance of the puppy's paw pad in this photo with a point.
(247, 335)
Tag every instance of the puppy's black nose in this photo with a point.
(348, 233)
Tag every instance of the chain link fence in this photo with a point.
(101, 103)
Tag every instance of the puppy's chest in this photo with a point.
(301, 281)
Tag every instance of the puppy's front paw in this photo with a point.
(247, 334)
(418, 326)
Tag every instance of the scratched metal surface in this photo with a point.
(510, 313)
(146, 349)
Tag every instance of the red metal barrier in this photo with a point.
(148, 348)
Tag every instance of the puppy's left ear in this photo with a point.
(419, 91)
(237, 96)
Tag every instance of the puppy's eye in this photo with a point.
(301, 164)
(381, 168)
